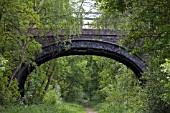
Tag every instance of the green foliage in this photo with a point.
(122, 93)
(166, 70)
(2, 65)
(19, 22)
(107, 85)
(59, 107)
(58, 16)
(146, 24)
(52, 96)
(80, 79)
(34, 88)
(8, 95)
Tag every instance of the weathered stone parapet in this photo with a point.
(89, 42)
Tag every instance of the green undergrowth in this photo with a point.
(92, 104)
(111, 107)
(61, 107)
(114, 107)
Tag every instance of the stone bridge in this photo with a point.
(89, 42)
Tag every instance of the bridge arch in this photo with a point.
(82, 47)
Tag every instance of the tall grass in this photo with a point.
(60, 107)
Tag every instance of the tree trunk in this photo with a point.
(50, 75)
(49, 81)
(14, 73)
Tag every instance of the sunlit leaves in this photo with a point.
(19, 19)
(166, 69)
(2, 65)
(146, 24)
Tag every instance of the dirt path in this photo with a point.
(89, 110)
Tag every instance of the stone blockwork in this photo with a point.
(88, 42)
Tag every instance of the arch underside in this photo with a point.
(83, 47)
